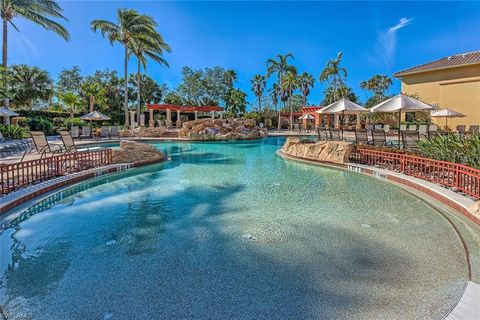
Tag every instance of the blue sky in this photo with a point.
(375, 37)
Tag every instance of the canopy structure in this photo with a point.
(95, 116)
(401, 103)
(447, 113)
(307, 117)
(343, 106)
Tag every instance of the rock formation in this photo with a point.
(220, 129)
(337, 152)
(136, 153)
(143, 132)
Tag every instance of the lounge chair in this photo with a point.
(378, 126)
(410, 140)
(403, 127)
(474, 129)
(41, 145)
(386, 128)
(432, 127)
(322, 134)
(422, 129)
(13, 146)
(105, 132)
(86, 132)
(114, 132)
(432, 134)
(412, 127)
(335, 135)
(361, 137)
(461, 129)
(75, 132)
(379, 138)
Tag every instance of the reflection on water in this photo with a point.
(230, 230)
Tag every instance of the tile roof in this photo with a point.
(447, 62)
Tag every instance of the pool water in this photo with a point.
(231, 231)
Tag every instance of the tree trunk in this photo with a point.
(291, 115)
(125, 102)
(92, 103)
(138, 93)
(279, 120)
(259, 103)
(5, 43)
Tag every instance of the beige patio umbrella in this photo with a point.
(447, 113)
(343, 107)
(95, 116)
(401, 103)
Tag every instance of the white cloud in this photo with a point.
(387, 41)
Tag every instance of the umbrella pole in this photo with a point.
(446, 123)
(399, 122)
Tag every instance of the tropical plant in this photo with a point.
(69, 122)
(275, 93)
(258, 86)
(305, 84)
(93, 92)
(453, 148)
(29, 84)
(41, 12)
(69, 80)
(144, 47)
(236, 102)
(130, 26)
(334, 74)
(71, 100)
(288, 85)
(230, 78)
(13, 132)
(342, 91)
(41, 124)
(378, 85)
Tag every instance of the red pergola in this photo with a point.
(173, 107)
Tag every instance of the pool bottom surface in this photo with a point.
(229, 230)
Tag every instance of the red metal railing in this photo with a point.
(20, 174)
(449, 174)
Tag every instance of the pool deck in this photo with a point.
(468, 308)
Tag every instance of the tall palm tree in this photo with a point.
(130, 25)
(289, 85)
(258, 87)
(41, 12)
(280, 66)
(332, 74)
(230, 78)
(305, 84)
(145, 47)
(29, 84)
(275, 92)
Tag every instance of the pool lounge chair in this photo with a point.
(410, 140)
(403, 127)
(75, 132)
(412, 127)
(105, 132)
(86, 132)
(114, 132)
(432, 127)
(379, 138)
(461, 129)
(386, 128)
(474, 129)
(422, 129)
(361, 137)
(41, 145)
(378, 126)
(322, 134)
(335, 135)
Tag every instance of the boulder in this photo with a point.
(221, 129)
(136, 153)
(337, 152)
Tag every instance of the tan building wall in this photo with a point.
(456, 88)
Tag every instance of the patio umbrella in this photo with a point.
(7, 114)
(343, 107)
(95, 116)
(447, 113)
(307, 117)
(401, 103)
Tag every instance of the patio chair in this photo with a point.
(378, 126)
(41, 145)
(386, 128)
(114, 132)
(379, 138)
(432, 134)
(412, 127)
(474, 129)
(68, 143)
(370, 127)
(86, 132)
(410, 140)
(335, 135)
(322, 134)
(403, 127)
(75, 132)
(105, 132)
(13, 146)
(422, 129)
(432, 127)
(361, 137)
(461, 129)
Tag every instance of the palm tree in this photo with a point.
(130, 25)
(230, 78)
(40, 12)
(305, 84)
(94, 92)
(289, 85)
(144, 47)
(275, 92)
(332, 73)
(29, 84)
(258, 86)
(280, 66)
(71, 100)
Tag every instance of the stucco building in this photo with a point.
(451, 82)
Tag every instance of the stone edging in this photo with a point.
(457, 202)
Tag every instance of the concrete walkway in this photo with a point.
(468, 308)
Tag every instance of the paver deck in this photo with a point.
(468, 308)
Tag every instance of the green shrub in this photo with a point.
(453, 148)
(44, 113)
(69, 122)
(13, 132)
(41, 124)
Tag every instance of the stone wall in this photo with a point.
(136, 153)
(144, 132)
(337, 152)
(220, 129)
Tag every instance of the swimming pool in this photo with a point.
(230, 230)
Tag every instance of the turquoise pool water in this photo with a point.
(231, 231)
